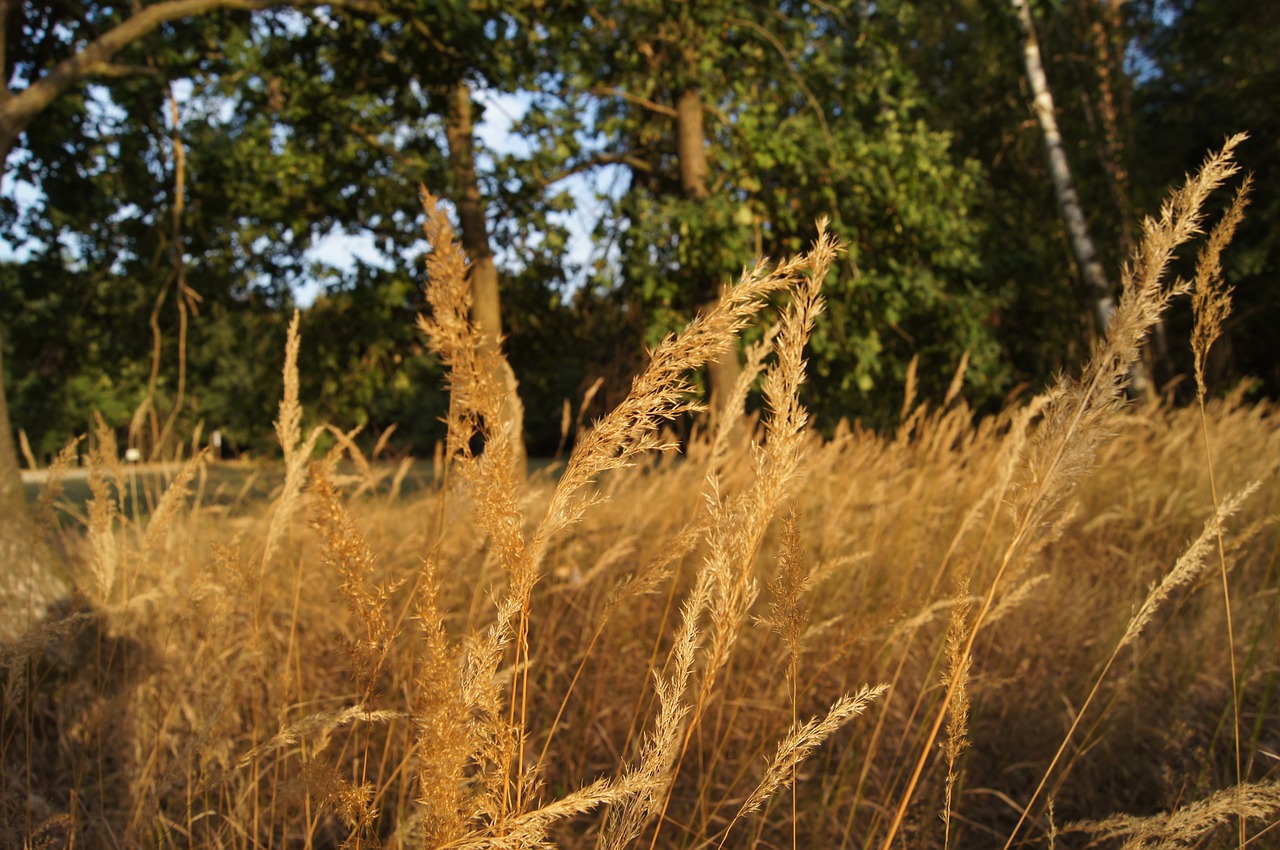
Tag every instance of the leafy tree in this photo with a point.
(805, 111)
(301, 122)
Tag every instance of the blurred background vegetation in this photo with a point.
(170, 203)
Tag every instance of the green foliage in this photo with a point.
(904, 123)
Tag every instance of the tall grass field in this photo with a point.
(1056, 627)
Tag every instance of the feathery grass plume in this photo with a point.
(364, 470)
(1190, 565)
(959, 663)
(1211, 305)
(788, 613)
(909, 393)
(320, 723)
(297, 451)
(660, 393)
(1075, 417)
(957, 381)
(1211, 296)
(738, 524)
(478, 405)
(53, 483)
(103, 510)
(799, 743)
(443, 728)
(352, 803)
(644, 581)
(647, 781)
(529, 829)
(1184, 571)
(344, 547)
(171, 503)
(397, 480)
(1187, 825)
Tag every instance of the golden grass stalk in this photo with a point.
(529, 829)
(319, 723)
(170, 505)
(739, 523)
(1211, 305)
(103, 511)
(344, 548)
(477, 406)
(789, 615)
(297, 451)
(1075, 419)
(959, 663)
(24, 445)
(443, 729)
(1187, 825)
(652, 776)
(53, 484)
(659, 394)
(799, 743)
(1211, 296)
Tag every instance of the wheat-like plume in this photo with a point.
(53, 484)
(647, 782)
(297, 451)
(345, 549)
(315, 724)
(443, 728)
(1076, 414)
(1189, 565)
(171, 503)
(799, 743)
(959, 663)
(1187, 825)
(1211, 296)
(103, 510)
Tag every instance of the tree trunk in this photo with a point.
(1097, 289)
(691, 151)
(486, 309)
(31, 576)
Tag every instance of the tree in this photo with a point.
(486, 305)
(1094, 278)
(805, 111)
(323, 98)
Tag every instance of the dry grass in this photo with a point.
(994, 626)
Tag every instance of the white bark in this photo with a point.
(1097, 289)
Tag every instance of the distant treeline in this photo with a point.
(163, 201)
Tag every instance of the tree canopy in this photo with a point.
(168, 201)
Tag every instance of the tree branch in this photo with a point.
(111, 69)
(652, 106)
(595, 162)
(19, 108)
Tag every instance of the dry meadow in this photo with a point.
(1056, 627)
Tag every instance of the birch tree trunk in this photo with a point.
(1094, 278)
(486, 309)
